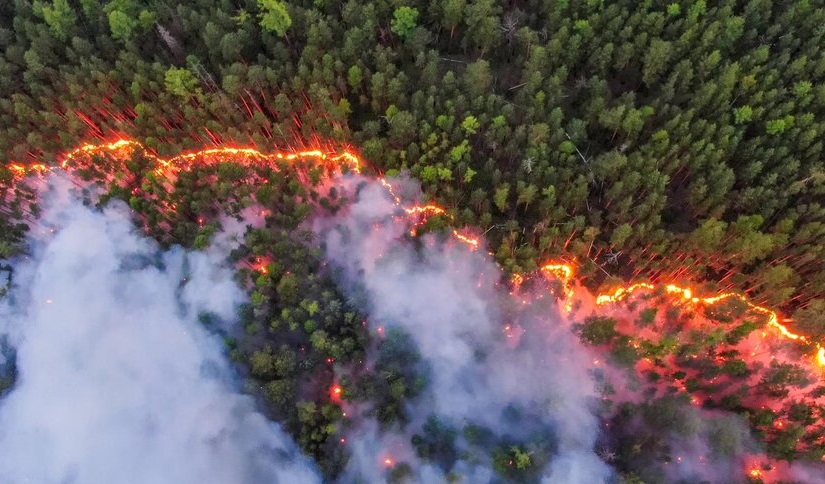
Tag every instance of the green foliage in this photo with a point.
(469, 175)
(567, 147)
(59, 16)
(534, 101)
(647, 317)
(460, 152)
(621, 234)
(776, 126)
(181, 82)
(500, 198)
(274, 16)
(743, 114)
(582, 25)
(398, 376)
(513, 461)
(400, 473)
(811, 319)
(404, 21)
(436, 443)
(598, 330)
(802, 88)
(121, 25)
(470, 125)
(355, 77)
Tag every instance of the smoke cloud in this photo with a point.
(515, 372)
(117, 381)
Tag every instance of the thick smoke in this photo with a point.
(449, 300)
(117, 381)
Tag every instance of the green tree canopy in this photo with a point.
(404, 21)
(274, 16)
(181, 82)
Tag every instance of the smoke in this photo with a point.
(117, 381)
(528, 387)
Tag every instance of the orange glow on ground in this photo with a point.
(565, 273)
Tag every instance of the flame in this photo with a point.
(566, 272)
(755, 473)
(472, 242)
(122, 148)
(336, 392)
(428, 210)
(249, 156)
(621, 293)
(119, 147)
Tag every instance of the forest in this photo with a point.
(670, 141)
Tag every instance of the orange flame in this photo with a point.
(428, 210)
(621, 293)
(247, 156)
(565, 272)
(472, 242)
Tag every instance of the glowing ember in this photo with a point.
(335, 392)
(755, 473)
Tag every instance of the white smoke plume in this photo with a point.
(447, 298)
(118, 382)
